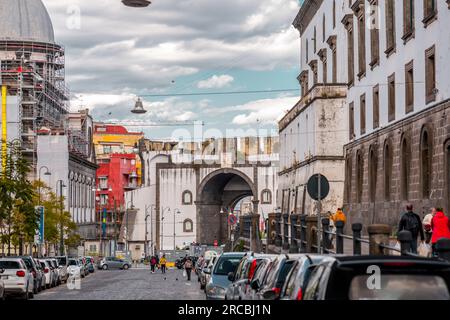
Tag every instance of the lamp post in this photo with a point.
(47, 173)
(126, 224)
(151, 230)
(175, 212)
(162, 226)
(61, 225)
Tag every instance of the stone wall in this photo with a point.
(436, 121)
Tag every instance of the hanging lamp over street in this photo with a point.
(136, 3)
(139, 107)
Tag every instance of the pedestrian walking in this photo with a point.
(411, 222)
(188, 267)
(427, 225)
(162, 263)
(440, 226)
(153, 263)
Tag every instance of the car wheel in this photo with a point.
(105, 267)
(125, 267)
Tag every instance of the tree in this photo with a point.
(17, 215)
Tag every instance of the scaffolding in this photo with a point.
(34, 72)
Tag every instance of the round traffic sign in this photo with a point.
(232, 219)
(313, 187)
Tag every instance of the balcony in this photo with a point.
(130, 186)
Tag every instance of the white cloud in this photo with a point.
(267, 111)
(216, 82)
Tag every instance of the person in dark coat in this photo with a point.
(411, 222)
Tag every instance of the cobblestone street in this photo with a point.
(133, 284)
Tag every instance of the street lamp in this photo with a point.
(162, 226)
(47, 173)
(151, 226)
(136, 3)
(61, 226)
(175, 212)
(126, 223)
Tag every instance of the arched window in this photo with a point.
(187, 197)
(373, 173)
(349, 176)
(405, 168)
(387, 171)
(359, 176)
(425, 163)
(188, 225)
(266, 197)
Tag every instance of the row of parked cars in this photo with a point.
(251, 276)
(25, 276)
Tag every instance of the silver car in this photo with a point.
(50, 273)
(17, 279)
(114, 263)
(63, 263)
(218, 283)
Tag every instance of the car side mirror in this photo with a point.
(254, 284)
(2, 270)
(231, 276)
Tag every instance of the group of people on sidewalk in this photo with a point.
(156, 262)
(435, 226)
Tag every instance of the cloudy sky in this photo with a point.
(116, 53)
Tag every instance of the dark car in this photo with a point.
(270, 288)
(33, 269)
(379, 278)
(241, 279)
(297, 278)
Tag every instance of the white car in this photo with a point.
(49, 273)
(57, 270)
(16, 278)
(74, 268)
(2, 286)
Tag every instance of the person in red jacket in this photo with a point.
(440, 224)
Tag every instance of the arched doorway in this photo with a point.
(220, 191)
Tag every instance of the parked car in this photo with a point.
(401, 278)
(57, 270)
(63, 264)
(90, 264)
(83, 267)
(114, 263)
(270, 288)
(17, 279)
(2, 286)
(260, 275)
(226, 263)
(206, 271)
(49, 273)
(32, 268)
(297, 278)
(42, 275)
(74, 268)
(240, 280)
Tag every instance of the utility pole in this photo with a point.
(176, 211)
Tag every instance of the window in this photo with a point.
(315, 40)
(430, 74)
(429, 12)
(374, 36)
(107, 149)
(348, 22)
(376, 106)
(334, 14)
(188, 225)
(359, 176)
(405, 169)
(408, 20)
(349, 175)
(362, 107)
(307, 52)
(351, 120)
(266, 196)
(372, 173)
(391, 98)
(425, 164)
(387, 171)
(359, 10)
(187, 197)
(390, 27)
(409, 87)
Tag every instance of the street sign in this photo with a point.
(40, 232)
(318, 187)
(232, 219)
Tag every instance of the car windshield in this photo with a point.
(62, 261)
(73, 263)
(225, 265)
(9, 265)
(398, 287)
